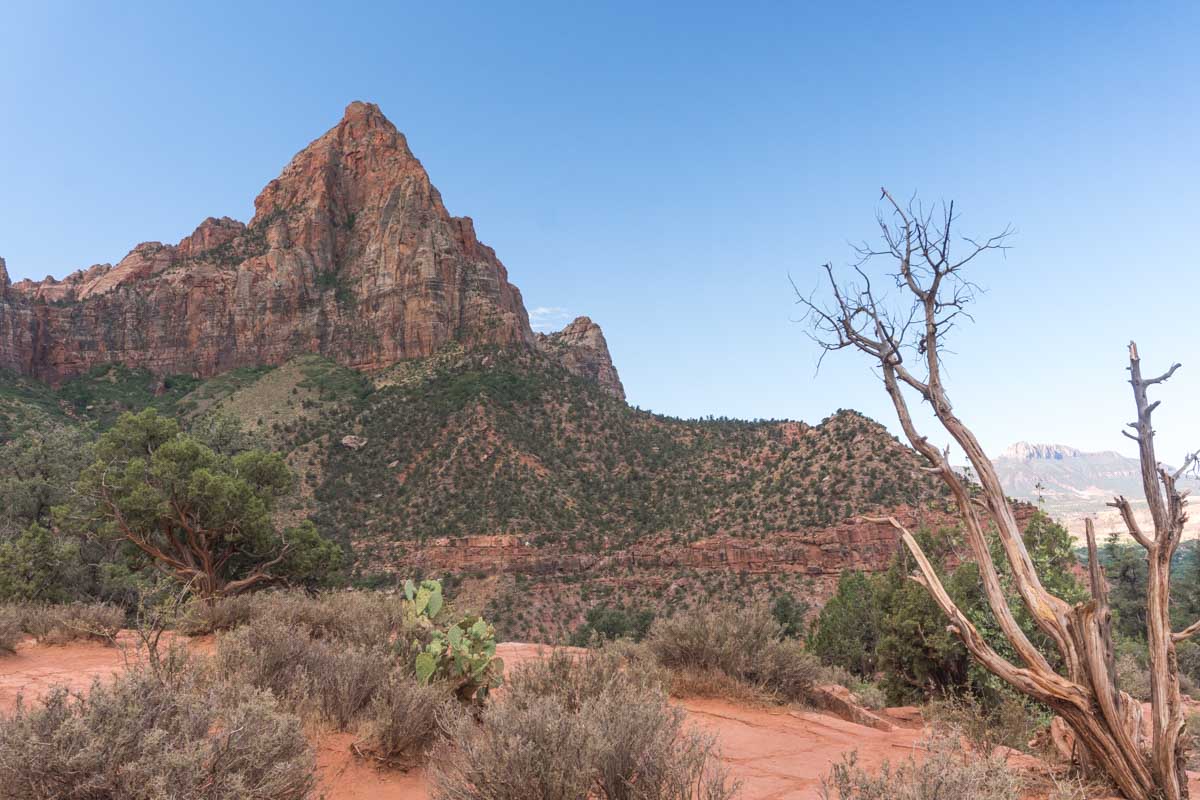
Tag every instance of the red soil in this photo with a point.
(778, 753)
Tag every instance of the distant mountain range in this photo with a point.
(1070, 483)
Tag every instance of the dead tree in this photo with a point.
(906, 340)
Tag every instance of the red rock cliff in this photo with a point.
(350, 254)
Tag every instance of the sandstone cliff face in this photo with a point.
(582, 349)
(350, 254)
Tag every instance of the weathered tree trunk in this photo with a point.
(1106, 724)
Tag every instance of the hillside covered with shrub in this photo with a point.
(474, 444)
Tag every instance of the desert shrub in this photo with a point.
(639, 749)
(788, 670)
(1133, 676)
(790, 613)
(1011, 720)
(576, 681)
(743, 642)
(591, 727)
(606, 623)
(721, 636)
(322, 678)
(1068, 788)
(870, 695)
(405, 720)
(267, 656)
(1192, 721)
(535, 750)
(948, 772)
(152, 734)
(356, 617)
(12, 630)
(1188, 653)
(197, 617)
(60, 624)
(343, 682)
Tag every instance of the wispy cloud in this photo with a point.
(547, 318)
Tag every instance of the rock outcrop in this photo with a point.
(583, 350)
(350, 254)
(851, 544)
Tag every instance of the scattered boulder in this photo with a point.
(841, 702)
(354, 442)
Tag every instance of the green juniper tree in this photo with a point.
(199, 516)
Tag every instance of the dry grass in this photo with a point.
(575, 682)
(1133, 677)
(353, 617)
(948, 772)
(59, 624)
(713, 683)
(1012, 722)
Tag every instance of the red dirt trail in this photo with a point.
(778, 753)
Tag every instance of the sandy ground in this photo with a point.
(777, 753)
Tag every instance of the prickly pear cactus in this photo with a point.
(462, 653)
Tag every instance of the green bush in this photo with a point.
(39, 567)
(153, 734)
(886, 626)
(205, 518)
(607, 623)
(790, 614)
(846, 632)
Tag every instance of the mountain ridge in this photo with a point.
(350, 254)
(1073, 484)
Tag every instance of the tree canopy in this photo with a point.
(199, 515)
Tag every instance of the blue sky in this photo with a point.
(664, 170)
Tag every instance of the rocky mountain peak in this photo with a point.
(1026, 451)
(351, 254)
(582, 349)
